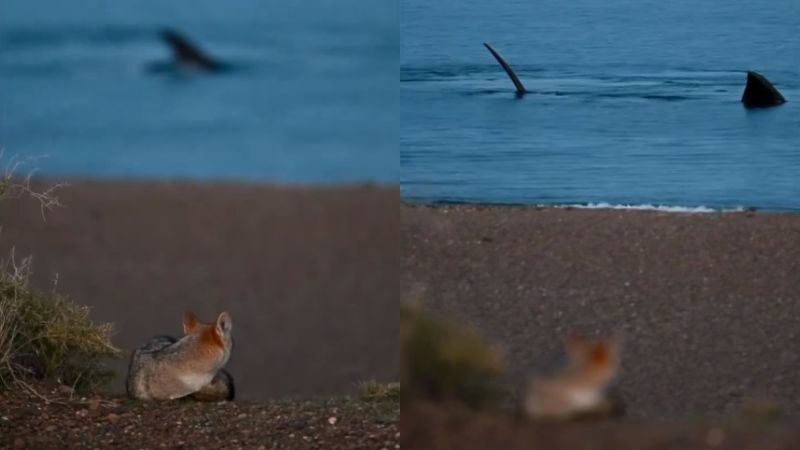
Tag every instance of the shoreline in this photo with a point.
(700, 209)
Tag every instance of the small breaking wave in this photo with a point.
(650, 207)
(588, 205)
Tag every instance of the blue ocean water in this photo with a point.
(633, 102)
(311, 97)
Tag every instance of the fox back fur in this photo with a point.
(580, 388)
(165, 368)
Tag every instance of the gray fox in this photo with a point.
(165, 368)
(580, 389)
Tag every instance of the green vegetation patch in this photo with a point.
(376, 391)
(446, 361)
(48, 337)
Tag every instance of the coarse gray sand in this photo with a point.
(708, 304)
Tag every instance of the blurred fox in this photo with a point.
(579, 390)
(165, 368)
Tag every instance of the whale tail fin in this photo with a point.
(514, 79)
(760, 93)
(187, 53)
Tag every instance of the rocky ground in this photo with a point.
(428, 426)
(66, 420)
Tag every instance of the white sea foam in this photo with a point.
(648, 207)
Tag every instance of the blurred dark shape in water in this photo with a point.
(187, 56)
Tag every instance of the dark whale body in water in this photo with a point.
(514, 79)
(760, 93)
(186, 56)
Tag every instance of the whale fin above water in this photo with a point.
(514, 79)
(760, 93)
(187, 54)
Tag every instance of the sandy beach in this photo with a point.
(309, 275)
(707, 304)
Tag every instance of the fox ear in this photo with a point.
(224, 323)
(189, 322)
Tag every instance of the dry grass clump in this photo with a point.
(445, 361)
(12, 186)
(45, 336)
(372, 391)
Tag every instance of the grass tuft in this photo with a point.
(48, 337)
(445, 361)
(372, 391)
(45, 336)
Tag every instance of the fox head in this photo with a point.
(215, 334)
(599, 357)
